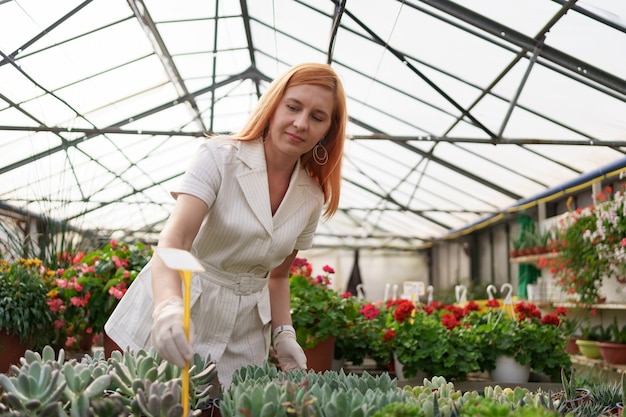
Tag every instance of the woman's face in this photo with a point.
(301, 119)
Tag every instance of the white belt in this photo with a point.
(243, 283)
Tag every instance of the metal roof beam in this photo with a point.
(489, 141)
(250, 73)
(575, 65)
(145, 20)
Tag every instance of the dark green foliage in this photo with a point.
(24, 310)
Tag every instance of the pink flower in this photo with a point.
(328, 269)
(77, 302)
(80, 302)
(55, 304)
(113, 243)
(70, 341)
(118, 291)
(79, 257)
(119, 263)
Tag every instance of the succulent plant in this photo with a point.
(258, 391)
(82, 385)
(400, 410)
(137, 384)
(160, 399)
(35, 391)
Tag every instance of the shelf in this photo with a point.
(533, 259)
(602, 306)
(597, 364)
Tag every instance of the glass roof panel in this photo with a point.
(452, 117)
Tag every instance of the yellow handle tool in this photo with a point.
(186, 277)
(185, 263)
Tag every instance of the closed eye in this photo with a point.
(315, 116)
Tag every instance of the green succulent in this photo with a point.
(36, 390)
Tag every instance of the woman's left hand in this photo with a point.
(289, 353)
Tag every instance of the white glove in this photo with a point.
(168, 336)
(289, 353)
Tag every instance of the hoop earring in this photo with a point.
(320, 154)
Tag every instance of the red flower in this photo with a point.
(328, 269)
(389, 335)
(369, 311)
(455, 310)
(493, 303)
(471, 306)
(552, 319)
(403, 311)
(433, 306)
(527, 309)
(450, 321)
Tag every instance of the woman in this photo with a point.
(245, 207)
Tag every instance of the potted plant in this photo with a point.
(570, 323)
(613, 350)
(318, 312)
(381, 344)
(87, 287)
(571, 396)
(432, 339)
(524, 334)
(590, 246)
(363, 327)
(588, 342)
(25, 320)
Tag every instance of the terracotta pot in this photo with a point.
(319, 358)
(616, 410)
(109, 346)
(613, 353)
(11, 350)
(589, 348)
(582, 397)
(572, 347)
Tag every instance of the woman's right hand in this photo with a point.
(168, 336)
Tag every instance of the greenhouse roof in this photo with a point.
(458, 111)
